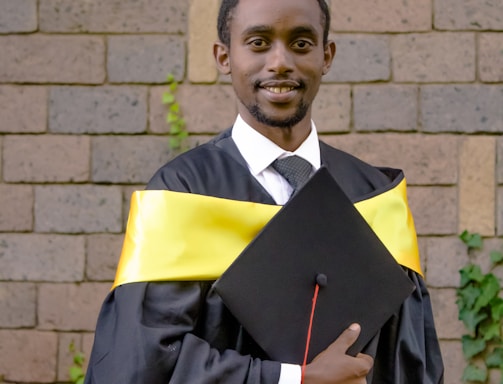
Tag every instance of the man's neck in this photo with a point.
(288, 138)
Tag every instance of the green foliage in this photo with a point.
(76, 371)
(481, 311)
(177, 126)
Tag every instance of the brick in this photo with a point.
(28, 356)
(52, 59)
(477, 185)
(468, 14)
(24, 109)
(87, 208)
(490, 63)
(16, 212)
(87, 345)
(433, 57)
(424, 159)
(360, 58)
(18, 302)
(454, 362)
(129, 160)
(203, 33)
(35, 257)
(381, 15)
(445, 312)
(145, 59)
(46, 158)
(1, 157)
(462, 108)
(332, 108)
(499, 160)
(18, 16)
(499, 212)
(495, 375)
(421, 245)
(109, 109)
(385, 107)
(445, 256)
(103, 252)
(216, 108)
(434, 210)
(83, 303)
(118, 16)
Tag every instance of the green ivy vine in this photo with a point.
(481, 311)
(76, 371)
(177, 125)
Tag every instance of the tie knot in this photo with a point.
(294, 169)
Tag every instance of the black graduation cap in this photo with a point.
(318, 237)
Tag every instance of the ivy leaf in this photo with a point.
(183, 135)
(75, 373)
(174, 143)
(490, 288)
(471, 319)
(170, 78)
(171, 118)
(467, 297)
(80, 380)
(175, 108)
(472, 240)
(471, 273)
(168, 98)
(490, 330)
(474, 373)
(496, 257)
(471, 346)
(497, 309)
(495, 358)
(79, 358)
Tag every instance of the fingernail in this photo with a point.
(354, 327)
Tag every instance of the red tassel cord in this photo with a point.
(308, 341)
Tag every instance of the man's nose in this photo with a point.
(280, 59)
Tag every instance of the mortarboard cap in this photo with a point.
(318, 237)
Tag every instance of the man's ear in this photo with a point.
(329, 53)
(222, 59)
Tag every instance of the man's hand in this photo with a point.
(334, 366)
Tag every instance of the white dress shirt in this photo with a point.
(259, 152)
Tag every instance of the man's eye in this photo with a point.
(258, 43)
(302, 44)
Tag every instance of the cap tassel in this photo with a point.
(321, 280)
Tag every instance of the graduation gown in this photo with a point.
(181, 332)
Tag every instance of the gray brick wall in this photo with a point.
(416, 85)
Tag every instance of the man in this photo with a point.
(178, 330)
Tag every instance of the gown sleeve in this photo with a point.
(146, 334)
(407, 346)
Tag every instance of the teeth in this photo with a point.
(279, 89)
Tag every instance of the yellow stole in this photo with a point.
(174, 236)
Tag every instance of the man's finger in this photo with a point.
(348, 337)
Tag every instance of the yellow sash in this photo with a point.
(184, 236)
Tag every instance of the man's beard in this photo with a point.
(289, 122)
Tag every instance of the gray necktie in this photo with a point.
(294, 169)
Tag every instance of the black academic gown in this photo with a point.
(180, 332)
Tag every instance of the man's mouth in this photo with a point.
(279, 90)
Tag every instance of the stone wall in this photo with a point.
(416, 85)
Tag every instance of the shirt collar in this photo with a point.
(259, 152)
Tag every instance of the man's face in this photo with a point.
(276, 59)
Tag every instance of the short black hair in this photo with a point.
(225, 18)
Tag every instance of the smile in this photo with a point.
(279, 89)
